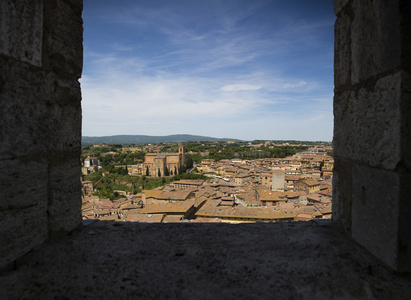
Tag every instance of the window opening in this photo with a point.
(129, 86)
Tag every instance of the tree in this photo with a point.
(123, 171)
(147, 172)
(159, 173)
(189, 162)
(321, 165)
(166, 172)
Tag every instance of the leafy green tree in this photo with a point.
(189, 162)
(123, 171)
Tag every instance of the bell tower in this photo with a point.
(182, 155)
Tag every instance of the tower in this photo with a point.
(182, 154)
(278, 181)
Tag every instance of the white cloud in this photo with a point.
(240, 87)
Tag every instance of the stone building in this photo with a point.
(159, 164)
(87, 188)
(278, 180)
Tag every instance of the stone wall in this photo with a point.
(372, 121)
(40, 123)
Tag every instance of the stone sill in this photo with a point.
(300, 260)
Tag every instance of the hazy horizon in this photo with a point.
(197, 135)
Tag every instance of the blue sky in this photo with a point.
(222, 68)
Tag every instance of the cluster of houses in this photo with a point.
(263, 190)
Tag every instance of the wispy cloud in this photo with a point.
(240, 87)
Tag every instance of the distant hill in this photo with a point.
(146, 139)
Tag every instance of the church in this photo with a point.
(164, 164)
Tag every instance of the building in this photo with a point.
(164, 164)
(187, 184)
(278, 180)
(87, 188)
(310, 186)
(91, 161)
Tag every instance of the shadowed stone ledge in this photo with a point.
(300, 260)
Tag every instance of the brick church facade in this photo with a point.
(164, 164)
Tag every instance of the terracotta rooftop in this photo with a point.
(177, 207)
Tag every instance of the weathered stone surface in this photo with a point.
(110, 260)
(339, 5)
(375, 212)
(63, 51)
(22, 229)
(63, 101)
(23, 222)
(342, 46)
(21, 30)
(406, 119)
(404, 239)
(375, 38)
(64, 207)
(40, 123)
(405, 11)
(19, 95)
(41, 112)
(372, 127)
(22, 183)
(342, 195)
(367, 124)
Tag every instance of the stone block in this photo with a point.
(342, 52)
(23, 184)
(64, 208)
(404, 236)
(21, 30)
(64, 40)
(21, 231)
(63, 102)
(406, 119)
(23, 222)
(367, 124)
(405, 11)
(376, 211)
(40, 112)
(342, 190)
(375, 38)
